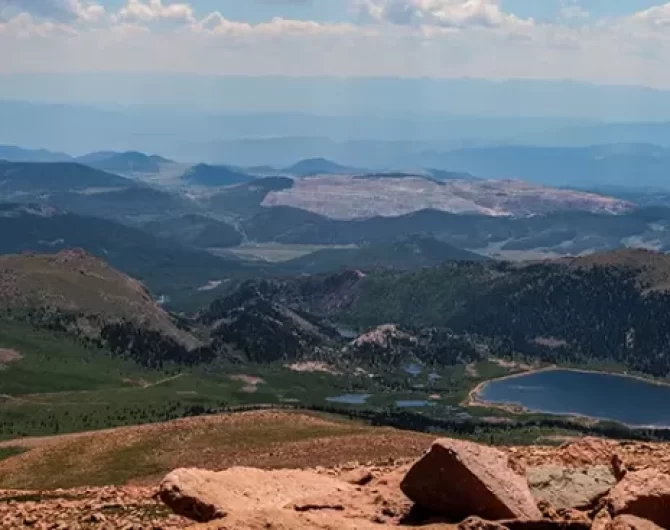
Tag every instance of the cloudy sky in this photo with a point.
(601, 41)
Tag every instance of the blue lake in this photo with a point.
(350, 399)
(413, 369)
(597, 395)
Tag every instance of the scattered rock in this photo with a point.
(544, 524)
(571, 514)
(644, 494)
(618, 466)
(630, 522)
(601, 520)
(475, 523)
(570, 488)
(206, 495)
(361, 479)
(548, 511)
(460, 479)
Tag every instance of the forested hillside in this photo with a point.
(607, 307)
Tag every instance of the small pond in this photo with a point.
(350, 399)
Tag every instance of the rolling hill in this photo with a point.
(551, 235)
(12, 153)
(317, 166)
(79, 283)
(245, 199)
(133, 206)
(166, 267)
(21, 178)
(127, 162)
(196, 231)
(412, 253)
(207, 175)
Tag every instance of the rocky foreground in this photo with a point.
(588, 484)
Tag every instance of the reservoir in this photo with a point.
(598, 395)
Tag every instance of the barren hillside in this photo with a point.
(351, 197)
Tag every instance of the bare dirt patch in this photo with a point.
(312, 367)
(471, 370)
(250, 382)
(550, 342)
(9, 356)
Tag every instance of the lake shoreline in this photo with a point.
(474, 398)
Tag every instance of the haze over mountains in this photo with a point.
(212, 208)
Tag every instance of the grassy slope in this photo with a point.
(54, 363)
(143, 454)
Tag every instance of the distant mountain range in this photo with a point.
(12, 153)
(631, 165)
(128, 162)
(166, 266)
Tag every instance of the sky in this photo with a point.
(621, 42)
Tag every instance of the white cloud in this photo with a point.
(24, 26)
(216, 23)
(658, 16)
(151, 10)
(409, 38)
(444, 13)
(58, 10)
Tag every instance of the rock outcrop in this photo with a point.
(459, 479)
(630, 522)
(570, 488)
(206, 495)
(644, 494)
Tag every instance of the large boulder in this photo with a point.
(459, 479)
(207, 495)
(645, 494)
(568, 487)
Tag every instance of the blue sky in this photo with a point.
(339, 10)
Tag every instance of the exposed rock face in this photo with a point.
(460, 479)
(570, 488)
(644, 494)
(630, 522)
(206, 495)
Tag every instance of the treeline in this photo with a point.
(513, 431)
(510, 431)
